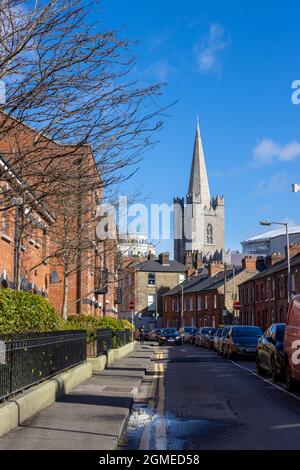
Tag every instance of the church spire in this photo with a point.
(198, 186)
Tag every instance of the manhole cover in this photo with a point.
(118, 389)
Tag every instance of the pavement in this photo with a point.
(200, 401)
(93, 416)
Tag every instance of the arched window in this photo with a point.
(209, 234)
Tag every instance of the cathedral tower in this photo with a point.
(198, 221)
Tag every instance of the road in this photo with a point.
(200, 401)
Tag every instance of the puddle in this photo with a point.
(148, 431)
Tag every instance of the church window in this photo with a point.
(209, 234)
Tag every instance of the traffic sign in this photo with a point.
(237, 305)
(131, 305)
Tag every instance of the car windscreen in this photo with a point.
(188, 329)
(168, 331)
(247, 331)
(204, 331)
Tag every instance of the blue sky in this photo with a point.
(233, 63)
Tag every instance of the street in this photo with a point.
(200, 401)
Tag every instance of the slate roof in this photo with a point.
(155, 266)
(204, 282)
(279, 266)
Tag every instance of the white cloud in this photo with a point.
(159, 71)
(276, 184)
(207, 50)
(268, 151)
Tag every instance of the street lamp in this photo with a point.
(182, 323)
(285, 224)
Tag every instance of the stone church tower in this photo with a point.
(198, 222)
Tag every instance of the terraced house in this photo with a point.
(264, 297)
(207, 298)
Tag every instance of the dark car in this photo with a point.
(202, 336)
(270, 353)
(217, 338)
(222, 341)
(242, 341)
(169, 336)
(147, 335)
(154, 334)
(210, 338)
(191, 338)
(185, 332)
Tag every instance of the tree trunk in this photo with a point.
(65, 297)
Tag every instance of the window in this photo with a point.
(215, 301)
(209, 234)
(151, 279)
(177, 305)
(173, 305)
(191, 304)
(199, 303)
(181, 278)
(166, 306)
(151, 303)
(205, 302)
(293, 283)
(129, 280)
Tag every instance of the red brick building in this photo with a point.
(264, 297)
(207, 298)
(32, 264)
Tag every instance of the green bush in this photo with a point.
(127, 325)
(22, 311)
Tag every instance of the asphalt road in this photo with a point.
(199, 401)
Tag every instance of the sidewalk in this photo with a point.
(93, 416)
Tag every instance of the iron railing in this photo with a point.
(104, 338)
(33, 357)
(107, 339)
(122, 338)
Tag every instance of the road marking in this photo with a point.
(286, 426)
(265, 380)
(157, 393)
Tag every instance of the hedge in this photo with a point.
(22, 311)
(92, 324)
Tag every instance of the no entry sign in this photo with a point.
(131, 305)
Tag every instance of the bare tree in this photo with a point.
(72, 82)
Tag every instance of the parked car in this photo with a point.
(191, 337)
(210, 338)
(200, 339)
(242, 341)
(292, 343)
(147, 335)
(154, 334)
(270, 355)
(222, 340)
(185, 332)
(169, 336)
(217, 338)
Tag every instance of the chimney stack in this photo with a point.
(164, 259)
(249, 264)
(273, 259)
(215, 267)
(294, 249)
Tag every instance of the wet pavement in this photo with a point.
(198, 400)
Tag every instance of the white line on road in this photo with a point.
(265, 380)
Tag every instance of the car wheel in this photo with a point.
(290, 381)
(258, 366)
(274, 374)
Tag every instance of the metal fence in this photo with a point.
(33, 357)
(107, 339)
(123, 337)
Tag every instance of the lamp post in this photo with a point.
(182, 323)
(285, 224)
